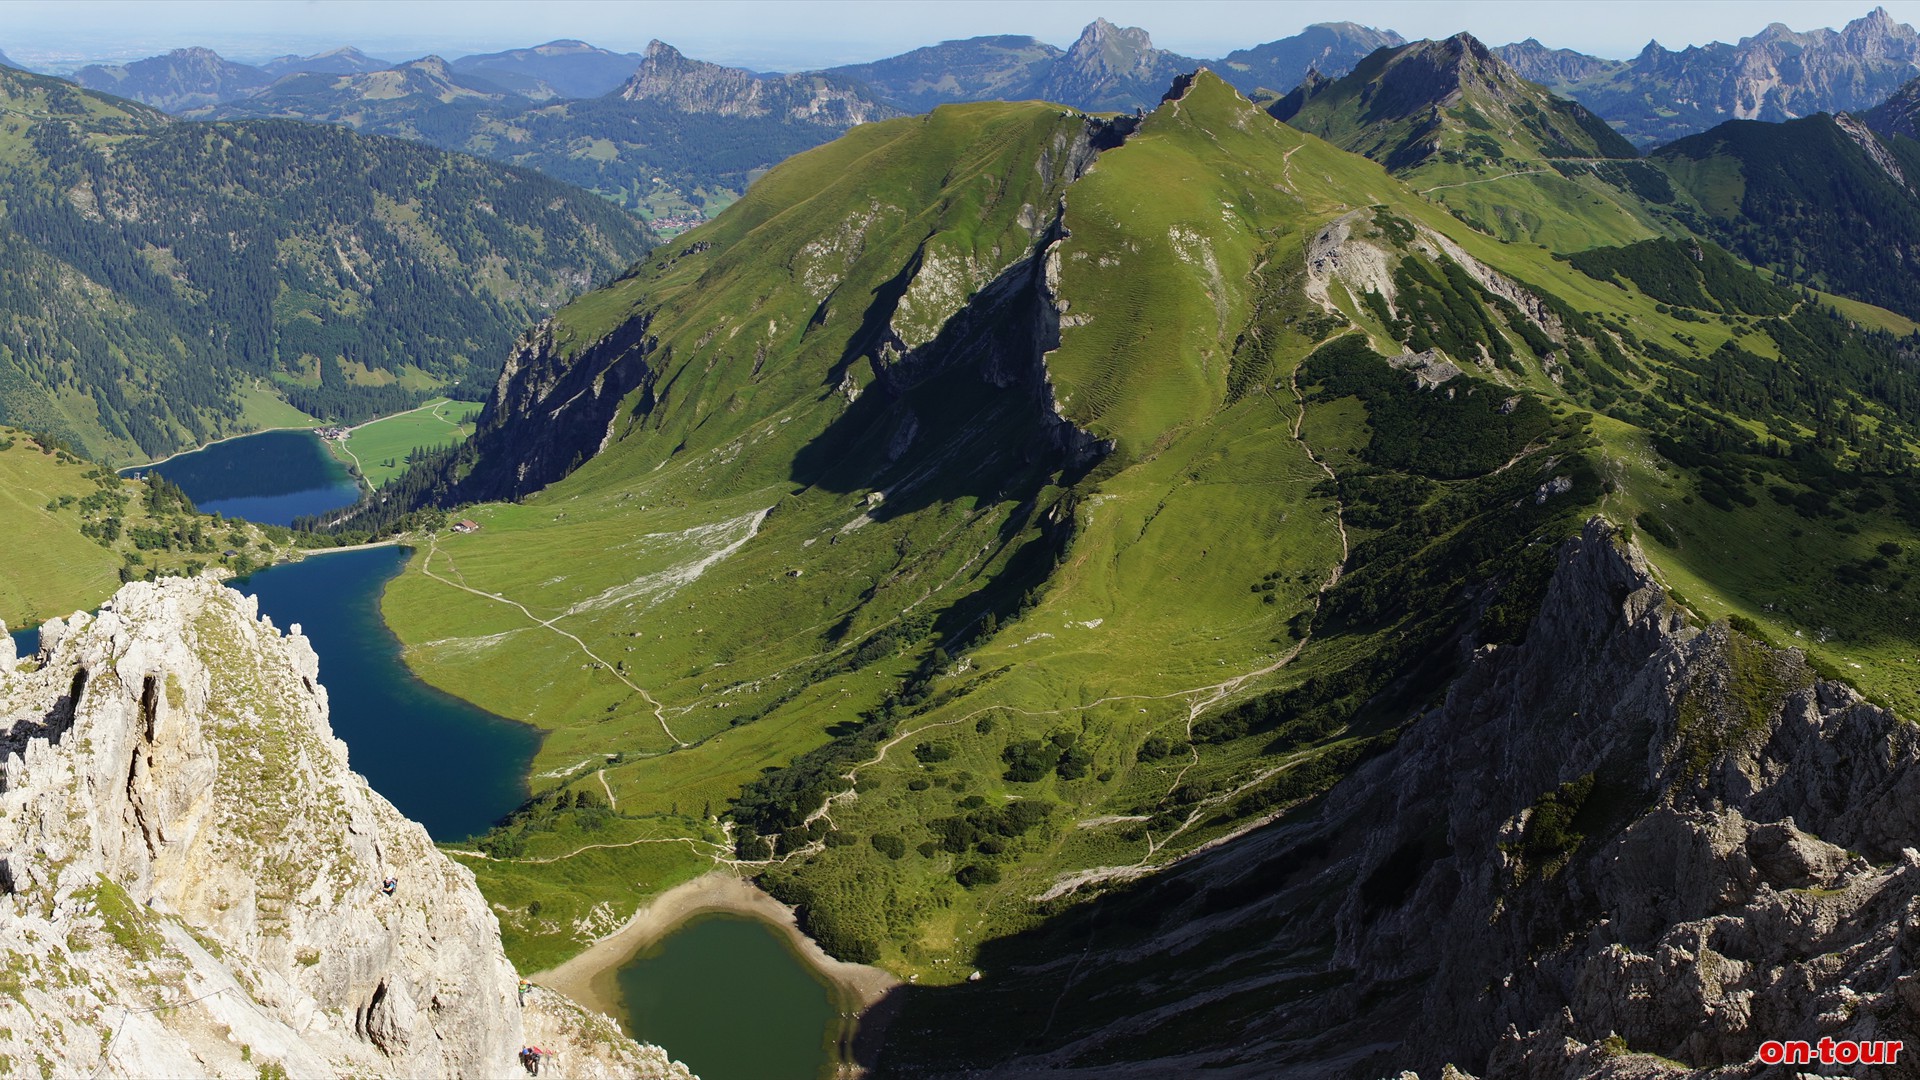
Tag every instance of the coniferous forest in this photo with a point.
(156, 274)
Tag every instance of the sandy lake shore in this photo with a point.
(589, 978)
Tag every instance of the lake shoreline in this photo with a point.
(591, 977)
(125, 469)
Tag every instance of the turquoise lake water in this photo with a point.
(728, 996)
(453, 767)
(272, 477)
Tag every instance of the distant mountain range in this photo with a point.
(570, 69)
(669, 80)
(677, 138)
(678, 141)
(191, 78)
(1777, 74)
(1108, 68)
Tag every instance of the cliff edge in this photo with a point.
(190, 874)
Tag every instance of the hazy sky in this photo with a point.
(794, 34)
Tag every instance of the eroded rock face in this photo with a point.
(190, 873)
(1631, 845)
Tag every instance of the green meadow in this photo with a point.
(379, 448)
(833, 605)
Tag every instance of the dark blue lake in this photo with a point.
(453, 767)
(26, 642)
(272, 477)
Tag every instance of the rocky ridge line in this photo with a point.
(190, 874)
(1630, 846)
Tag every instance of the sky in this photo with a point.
(798, 34)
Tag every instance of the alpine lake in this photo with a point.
(272, 477)
(458, 769)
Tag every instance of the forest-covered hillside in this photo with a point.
(160, 279)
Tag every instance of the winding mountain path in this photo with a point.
(426, 567)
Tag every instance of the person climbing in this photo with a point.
(524, 987)
(529, 1062)
(387, 886)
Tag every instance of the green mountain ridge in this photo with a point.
(74, 531)
(999, 506)
(1824, 201)
(162, 275)
(1504, 154)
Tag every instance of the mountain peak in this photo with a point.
(1107, 51)
(698, 86)
(1451, 99)
(1468, 45)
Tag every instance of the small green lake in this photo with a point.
(730, 997)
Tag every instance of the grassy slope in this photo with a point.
(1495, 154)
(1185, 324)
(152, 339)
(52, 568)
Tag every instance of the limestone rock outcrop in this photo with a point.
(1631, 845)
(190, 874)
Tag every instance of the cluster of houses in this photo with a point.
(337, 434)
(677, 223)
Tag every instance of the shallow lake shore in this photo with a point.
(591, 977)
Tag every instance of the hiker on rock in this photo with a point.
(524, 987)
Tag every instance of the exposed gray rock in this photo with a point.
(190, 873)
(1430, 368)
(1630, 846)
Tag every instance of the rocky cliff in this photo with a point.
(558, 401)
(1777, 74)
(1112, 68)
(190, 874)
(1631, 845)
(668, 79)
(553, 408)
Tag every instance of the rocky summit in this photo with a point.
(191, 877)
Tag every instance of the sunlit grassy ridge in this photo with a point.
(835, 586)
(72, 531)
(1501, 153)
